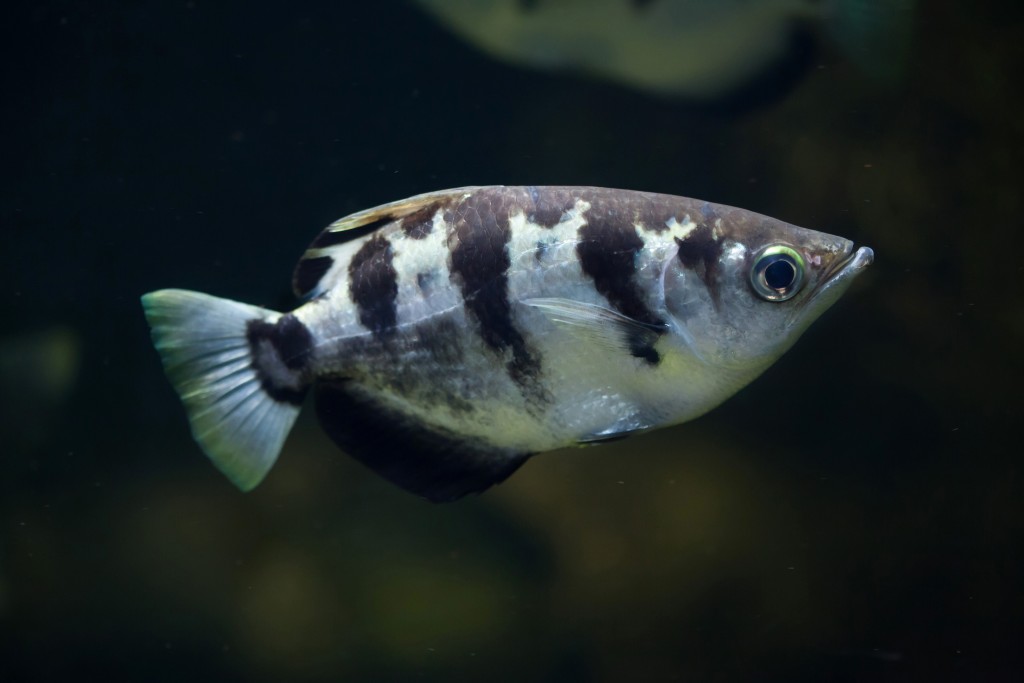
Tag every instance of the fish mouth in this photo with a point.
(849, 266)
(844, 270)
(835, 280)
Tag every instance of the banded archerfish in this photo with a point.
(450, 336)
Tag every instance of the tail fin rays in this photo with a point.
(208, 357)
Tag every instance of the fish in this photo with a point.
(703, 50)
(449, 337)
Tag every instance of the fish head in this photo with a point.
(741, 288)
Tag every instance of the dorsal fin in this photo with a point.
(316, 269)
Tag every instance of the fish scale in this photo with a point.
(450, 336)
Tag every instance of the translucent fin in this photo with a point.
(876, 34)
(237, 414)
(602, 326)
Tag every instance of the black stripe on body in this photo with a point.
(416, 224)
(373, 285)
(420, 224)
(550, 205)
(293, 342)
(311, 270)
(699, 251)
(479, 267)
(280, 353)
(608, 247)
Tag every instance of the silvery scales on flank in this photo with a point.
(450, 336)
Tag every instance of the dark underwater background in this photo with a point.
(857, 514)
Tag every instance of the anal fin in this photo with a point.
(421, 459)
(598, 439)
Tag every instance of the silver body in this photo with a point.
(449, 336)
(438, 368)
(583, 390)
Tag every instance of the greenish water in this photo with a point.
(866, 527)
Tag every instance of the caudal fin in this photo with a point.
(225, 361)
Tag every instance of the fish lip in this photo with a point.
(846, 268)
(838, 276)
(861, 259)
(854, 261)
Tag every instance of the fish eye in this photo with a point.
(778, 273)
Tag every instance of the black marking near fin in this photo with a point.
(479, 267)
(700, 251)
(607, 248)
(279, 353)
(373, 286)
(550, 205)
(294, 342)
(307, 279)
(332, 238)
(420, 224)
(641, 347)
(422, 460)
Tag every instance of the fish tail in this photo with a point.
(239, 371)
(876, 34)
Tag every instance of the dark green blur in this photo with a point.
(857, 514)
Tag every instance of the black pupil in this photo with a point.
(780, 274)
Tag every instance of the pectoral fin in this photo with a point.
(602, 326)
